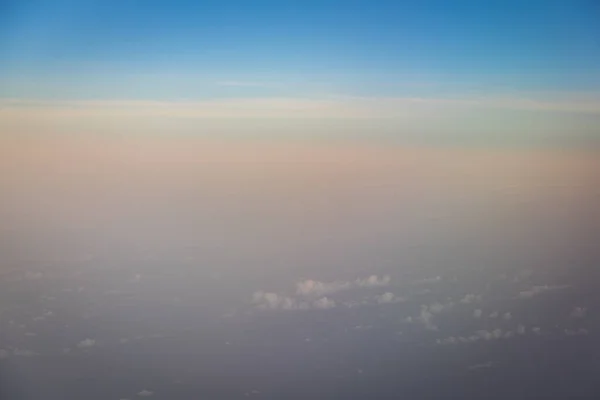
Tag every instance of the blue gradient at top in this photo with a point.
(544, 43)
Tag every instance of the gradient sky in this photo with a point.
(466, 68)
(299, 200)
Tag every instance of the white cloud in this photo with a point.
(470, 298)
(537, 330)
(536, 290)
(477, 313)
(437, 308)
(317, 288)
(490, 335)
(521, 330)
(507, 316)
(426, 318)
(374, 281)
(324, 303)
(428, 312)
(274, 301)
(429, 280)
(576, 332)
(494, 314)
(579, 312)
(145, 393)
(86, 343)
(311, 287)
(388, 298)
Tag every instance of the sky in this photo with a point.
(299, 200)
(423, 71)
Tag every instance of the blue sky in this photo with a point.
(534, 51)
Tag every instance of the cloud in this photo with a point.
(481, 335)
(145, 393)
(437, 308)
(86, 343)
(311, 287)
(490, 335)
(477, 313)
(494, 314)
(507, 316)
(388, 298)
(318, 288)
(435, 279)
(537, 330)
(470, 298)
(576, 332)
(324, 303)
(3, 354)
(428, 312)
(537, 290)
(426, 318)
(521, 330)
(274, 301)
(579, 312)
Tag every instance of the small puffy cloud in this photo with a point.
(477, 313)
(429, 280)
(145, 393)
(576, 332)
(490, 335)
(537, 330)
(388, 298)
(470, 298)
(429, 311)
(578, 312)
(317, 288)
(507, 316)
(374, 281)
(494, 314)
(521, 330)
(437, 308)
(426, 318)
(324, 303)
(536, 290)
(86, 343)
(274, 301)
(311, 287)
